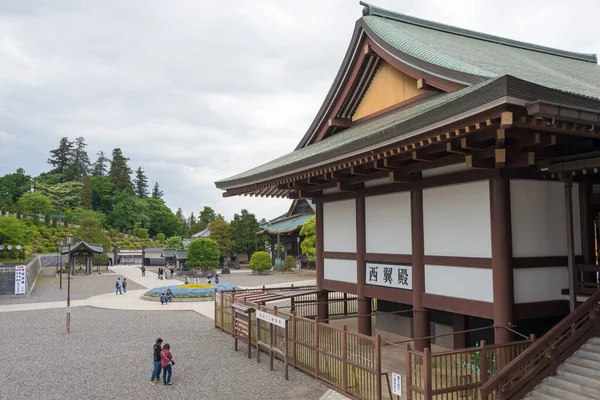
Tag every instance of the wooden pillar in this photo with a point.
(319, 244)
(573, 281)
(459, 325)
(502, 272)
(587, 230)
(116, 255)
(364, 303)
(420, 314)
(323, 306)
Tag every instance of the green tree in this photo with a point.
(13, 186)
(87, 192)
(220, 231)
(160, 237)
(156, 192)
(141, 183)
(260, 261)
(14, 231)
(243, 228)
(79, 164)
(34, 203)
(76, 215)
(100, 166)
(183, 219)
(289, 264)
(161, 219)
(203, 253)
(174, 242)
(103, 194)
(119, 172)
(207, 215)
(128, 212)
(60, 158)
(309, 232)
(91, 231)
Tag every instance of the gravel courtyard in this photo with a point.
(108, 355)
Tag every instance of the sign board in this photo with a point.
(396, 276)
(396, 384)
(271, 318)
(218, 297)
(20, 278)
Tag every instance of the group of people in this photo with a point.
(163, 361)
(166, 297)
(121, 286)
(165, 273)
(210, 277)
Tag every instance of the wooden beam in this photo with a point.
(393, 163)
(506, 119)
(454, 146)
(536, 140)
(420, 156)
(423, 85)
(345, 187)
(500, 137)
(397, 176)
(522, 161)
(339, 122)
(358, 171)
(469, 143)
(379, 165)
(472, 161)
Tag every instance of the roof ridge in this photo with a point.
(371, 10)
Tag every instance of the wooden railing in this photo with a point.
(348, 361)
(544, 356)
(587, 279)
(457, 374)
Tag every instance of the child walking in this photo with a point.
(166, 359)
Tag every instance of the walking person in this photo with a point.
(124, 285)
(216, 279)
(118, 286)
(186, 280)
(166, 360)
(143, 270)
(157, 366)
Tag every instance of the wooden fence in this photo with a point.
(348, 361)
(457, 374)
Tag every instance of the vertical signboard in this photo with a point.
(20, 278)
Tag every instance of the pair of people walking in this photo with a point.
(121, 287)
(163, 360)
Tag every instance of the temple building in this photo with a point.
(454, 174)
(285, 230)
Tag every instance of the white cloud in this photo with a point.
(196, 91)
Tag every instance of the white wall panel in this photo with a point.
(388, 228)
(339, 225)
(538, 218)
(540, 284)
(456, 220)
(340, 270)
(461, 282)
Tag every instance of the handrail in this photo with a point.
(548, 342)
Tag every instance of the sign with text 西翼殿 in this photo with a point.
(271, 318)
(395, 276)
(20, 278)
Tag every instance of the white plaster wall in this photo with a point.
(538, 218)
(388, 226)
(339, 226)
(461, 282)
(444, 170)
(456, 220)
(340, 270)
(539, 284)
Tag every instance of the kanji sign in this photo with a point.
(397, 276)
(270, 318)
(20, 277)
(396, 384)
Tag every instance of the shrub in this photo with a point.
(203, 253)
(289, 264)
(160, 237)
(260, 261)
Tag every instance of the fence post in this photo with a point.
(378, 364)
(316, 344)
(483, 364)
(294, 338)
(345, 304)
(221, 300)
(344, 359)
(215, 297)
(408, 373)
(427, 373)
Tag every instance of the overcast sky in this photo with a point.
(198, 90)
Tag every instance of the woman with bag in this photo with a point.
(166, 360)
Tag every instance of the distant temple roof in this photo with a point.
(83, 246)
(299, 212)
(168, 253)
(202, 234)
(181, 254)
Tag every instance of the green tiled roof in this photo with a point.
(288, 224)
(485, 55)
(167, 253)
(81, 245)
(181, 254)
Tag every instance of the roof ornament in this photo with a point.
(366, 9)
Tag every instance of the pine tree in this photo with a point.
(156, 192)
(80, 161)
(99, 167)
(141, 183)
(60, 158)
(87, 192)
(183, 219)
(120, 173)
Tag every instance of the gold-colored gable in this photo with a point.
(388, 87)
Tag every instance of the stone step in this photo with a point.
(584, 362)
(591, 347)
(589, 355)
(555, 392)
(572, 386)
(595, 340)
(580, 375)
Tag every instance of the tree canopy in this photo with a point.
(309, 232)
(220, 231)
(244, 227)
(203, 253)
